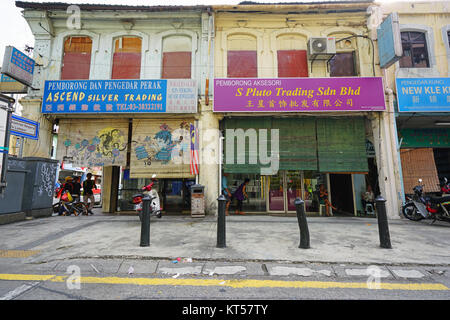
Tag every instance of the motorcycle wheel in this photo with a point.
(410, 212)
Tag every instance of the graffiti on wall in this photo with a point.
(107, 147)
(167, 145)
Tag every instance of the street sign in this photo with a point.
(389, 41)
(18, 65)
(24, 128)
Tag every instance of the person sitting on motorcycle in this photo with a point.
(67, 186)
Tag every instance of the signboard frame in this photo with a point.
(120, 96)
(258, 95)
(15, 119)
(389, 41)
(18, 65)
(423, 94)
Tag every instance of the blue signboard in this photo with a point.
(423, 94)
(389, 43)
(25, 128)
(120, 96)
(18, 65)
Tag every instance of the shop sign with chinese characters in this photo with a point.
(423, 94)
(120, 96)
(298, 95)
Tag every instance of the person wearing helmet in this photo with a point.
(67, 186)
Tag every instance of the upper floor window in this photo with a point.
(343, 65)
(177, 54)
(415, 53)
(242, 57)
(76, 62)
(127, 58)
(292, 63)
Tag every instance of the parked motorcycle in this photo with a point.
(445, 186)
(419, 207)
(155, 206)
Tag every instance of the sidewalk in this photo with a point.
(248, 238)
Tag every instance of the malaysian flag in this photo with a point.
(194, 150)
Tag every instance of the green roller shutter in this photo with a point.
(298, 146)
(242, 152)
(341, 145)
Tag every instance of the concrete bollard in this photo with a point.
(221, 222)
(145, 223)
(383, 227)
(302, 223)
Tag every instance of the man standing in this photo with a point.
(88, 194)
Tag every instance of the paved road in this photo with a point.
(208, 280)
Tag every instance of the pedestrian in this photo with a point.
(66, 187)
(240, 194)
(88, 194)
(368, 197)
(323, 199)
(76, 192)
(226, 192)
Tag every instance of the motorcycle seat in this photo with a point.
(440, 199)
(138, 195)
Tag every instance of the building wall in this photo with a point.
(51, 30)
(432, 18)
(276, 27)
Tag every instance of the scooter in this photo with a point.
(445, 186)
(155, 206)
(419, 207)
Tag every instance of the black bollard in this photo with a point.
(145, 223)
(221, 222)
(383, 227)
(302, 223)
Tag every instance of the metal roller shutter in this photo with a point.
(161, 147)
(88, 142)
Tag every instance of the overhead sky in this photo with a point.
(15, 31)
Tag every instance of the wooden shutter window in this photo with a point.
(292, 63)
(176, 65)
(127, 58)
(242, 64)
(76, 62)
(343, 65)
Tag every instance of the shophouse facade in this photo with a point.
(266, 78)
(421, 87)
(335, 125)
(124, 87)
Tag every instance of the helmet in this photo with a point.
(68, 178)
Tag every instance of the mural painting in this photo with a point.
(103, 147)
(160, 146)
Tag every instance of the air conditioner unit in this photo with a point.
(321, 48)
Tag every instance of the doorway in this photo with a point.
(286, 186)
(341, 186)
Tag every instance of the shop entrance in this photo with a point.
(286, 186)
(341, 187)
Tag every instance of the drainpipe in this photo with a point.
(210, 26)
